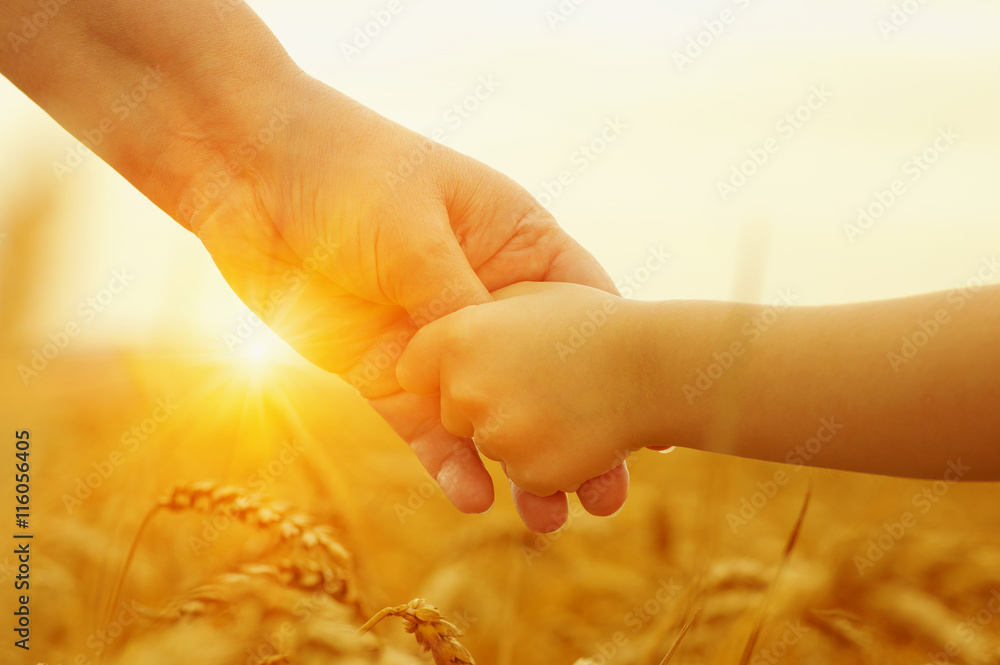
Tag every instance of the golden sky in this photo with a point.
(880, 101)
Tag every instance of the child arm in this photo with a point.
(903, 387)
(562, 382)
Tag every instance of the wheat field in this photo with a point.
(186, 510)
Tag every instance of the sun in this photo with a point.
(264, 352)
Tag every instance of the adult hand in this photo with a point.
(348, 232)
(342, 229)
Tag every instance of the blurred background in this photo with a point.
(656, 116)
(657, 184)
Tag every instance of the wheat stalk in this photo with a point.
(326, 564)
(793, 538)
(433, 633)
(680, 636)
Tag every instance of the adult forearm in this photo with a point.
(902, 387)
(164, 91)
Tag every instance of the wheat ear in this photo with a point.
(289, 573)
(291, 528)
(433, 633)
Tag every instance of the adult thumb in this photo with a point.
(429, 275)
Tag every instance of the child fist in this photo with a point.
(543, 380)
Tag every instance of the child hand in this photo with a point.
(544, 380)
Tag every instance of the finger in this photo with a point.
(427, 273)
(452, 461)
(572, 263)
(418, 369)
(374, 369)
(541, 514)
(455, 421)
(520, 289)
(605, 495)
(541, 251)
(509, 237)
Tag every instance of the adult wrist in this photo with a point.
(237, 137)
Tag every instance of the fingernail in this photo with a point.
(618, 512)
(488, 510)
